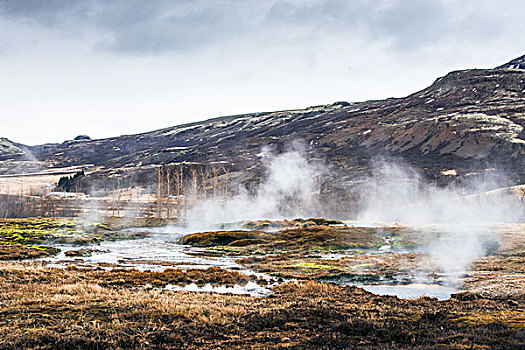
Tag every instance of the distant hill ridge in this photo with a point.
(467, 120)
(9, 148)
(517, 63)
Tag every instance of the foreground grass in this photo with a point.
(47, 308)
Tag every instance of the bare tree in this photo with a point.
(167, 181)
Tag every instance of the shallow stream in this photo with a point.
(159, 251)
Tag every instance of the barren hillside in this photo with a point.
(468, 121)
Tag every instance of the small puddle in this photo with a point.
(412, 291)
(251, 288)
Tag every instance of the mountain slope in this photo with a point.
(517, 63)
(9, 148)
(467, 120)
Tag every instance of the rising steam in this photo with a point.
(289, 190)
(455, 222)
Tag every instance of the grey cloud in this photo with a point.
(482, 26)
(141, 26)
(48, 13)
(412, 23)
(180, 27)
(406, 24)
(147, 27)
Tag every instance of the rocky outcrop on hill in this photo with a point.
(8, 148)
(517, 63)
(468, 121)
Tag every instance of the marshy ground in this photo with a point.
(33, 237)
(108, 306)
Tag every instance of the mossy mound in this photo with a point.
(334, 237)
(16, 251)
(302, 238)
(221, 238)
(282, 224)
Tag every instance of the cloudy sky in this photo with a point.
(106, 68)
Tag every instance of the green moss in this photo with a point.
(325, 249)
(33, 234)
(231, 249)
(401, 241)
(57, 230)
(313, 266)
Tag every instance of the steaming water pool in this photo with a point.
(159, 251)
(152, 253)
(156, 253)
(412, 291)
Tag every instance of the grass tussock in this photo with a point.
(300, 235)
(358, 267)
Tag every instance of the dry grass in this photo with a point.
(359, 267)
(46, 308)
(118, 277)
(500, 275)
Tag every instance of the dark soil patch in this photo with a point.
(83, 252)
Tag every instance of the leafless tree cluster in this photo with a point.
(179, 184)
(20, 206)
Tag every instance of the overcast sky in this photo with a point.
(106, 68)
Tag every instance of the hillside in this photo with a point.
(8, 148)
(517, 63)
(468, 120)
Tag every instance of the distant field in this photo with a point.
(40, 184)
(33, 184)
(29, 185)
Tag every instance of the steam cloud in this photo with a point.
(461, 216)
(289, 190)
(455, 223)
